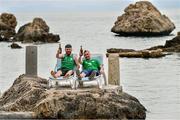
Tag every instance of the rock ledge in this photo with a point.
(31, 94)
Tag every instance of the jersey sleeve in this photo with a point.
(98, 64)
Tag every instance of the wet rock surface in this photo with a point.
(31, 94)
(37, 31)
(7, 26)
(142, 19)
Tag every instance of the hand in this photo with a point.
(102, 71)
(59, 51)
(80, 54)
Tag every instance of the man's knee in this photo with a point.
(70, 72)
(96, 71)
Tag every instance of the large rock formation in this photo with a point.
(23, 94)
(37, 31)
(7, 26)
(142, 19)
(31, 94)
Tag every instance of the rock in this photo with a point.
(170, 45)
(156, 47)
(16, 115)
(142, 19)
(37, 31)
(23, 94)
(130, 53)
(7, 26)
(116, 50)
(89, 105)
(31, 94)
(178, 33)
(9, 19)
(174, 42)
(15, 46)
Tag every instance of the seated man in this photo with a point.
(91, 67)
(68, 62)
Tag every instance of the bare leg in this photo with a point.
(69, 73)
(81, 76)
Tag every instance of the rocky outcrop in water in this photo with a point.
(142, 19)
(153, 52)
(31, 94)
(7, 26)
(15, 46)
(37, 31)
(130, 53)
(170, 45)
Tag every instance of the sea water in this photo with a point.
(155, 82)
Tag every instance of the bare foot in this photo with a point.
(53, 74)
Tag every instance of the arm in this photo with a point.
(101, 68)
(80, 59)
(77, 62)
(59, 55)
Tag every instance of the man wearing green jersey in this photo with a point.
(91, 67)
(68, 62)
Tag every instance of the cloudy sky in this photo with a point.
(76, 5)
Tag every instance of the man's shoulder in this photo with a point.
(84, 60)
(94, 60)
(74, 56)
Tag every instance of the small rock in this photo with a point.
(170, 45)
(178, 33)
(174, 42)
(15, 46)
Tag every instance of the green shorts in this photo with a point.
(64, 71)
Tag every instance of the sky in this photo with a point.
(76, 5)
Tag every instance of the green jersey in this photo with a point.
(91, 64)
(67, 62)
